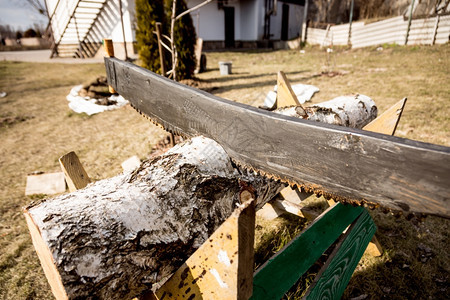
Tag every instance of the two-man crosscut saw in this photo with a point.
(347, 164)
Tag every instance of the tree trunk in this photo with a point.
(121, 235)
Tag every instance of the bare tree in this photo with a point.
(37, 6)
(172, 49)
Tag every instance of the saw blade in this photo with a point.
(349, 165)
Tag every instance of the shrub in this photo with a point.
(30, 33)
(148, 12)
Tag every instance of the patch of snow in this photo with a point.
(304, 93)
(88, 105)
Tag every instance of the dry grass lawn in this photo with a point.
(37, 127)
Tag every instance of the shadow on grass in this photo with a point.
(225, 88)
(242, 50)
(414, 264)
(395, 280)
(244, 76)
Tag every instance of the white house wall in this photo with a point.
(249, 10)
(295, 21)
(237, 18)
(128, 16)
(209, 21)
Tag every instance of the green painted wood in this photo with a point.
(279, 273)
(334, 276)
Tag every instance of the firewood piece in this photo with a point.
(121, 235)
(288, 201)
(49, 184)
(76, 176)
(294, 195)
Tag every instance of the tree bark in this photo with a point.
(121, 235)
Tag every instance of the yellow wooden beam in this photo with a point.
(285, 94)
(109, 52)
(76, 176)
(387, 122)
(222, 268)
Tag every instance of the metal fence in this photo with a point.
(427, 31)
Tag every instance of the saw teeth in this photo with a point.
(166, 128)
(316, 191)
(295, 185)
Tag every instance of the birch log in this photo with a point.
(349, 111)
(121, 235)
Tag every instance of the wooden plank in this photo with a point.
(374, 248)
(198, 54)
(290, 203)
(269, 211)
(285, 94)
(277, 207)
(46, 259)
(160, 48)
(76, 176)
(281, 271)
(294, 195)
(131, 164)
(108, 46)
(387, 122)
(334, 276)
(222, 268)
(49, 184)
(341, 162)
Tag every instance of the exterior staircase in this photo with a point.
(76, 27)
